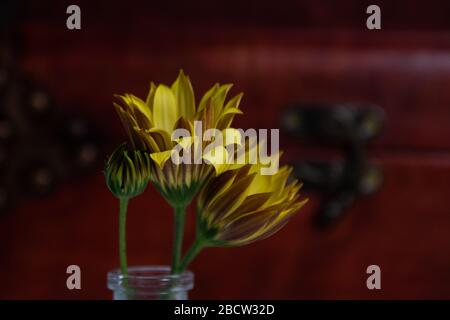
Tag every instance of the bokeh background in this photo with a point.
(57, 88)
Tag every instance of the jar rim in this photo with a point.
(154, 273)
(150, 278)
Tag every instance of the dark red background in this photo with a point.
(276, 53)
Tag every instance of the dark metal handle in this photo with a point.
(350, 128)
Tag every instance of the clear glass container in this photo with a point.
(150, 283)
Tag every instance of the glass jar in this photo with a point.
(150, 283)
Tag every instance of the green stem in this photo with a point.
(122, 235)
(178, 237)
(193, 251)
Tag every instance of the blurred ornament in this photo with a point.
(41, 144)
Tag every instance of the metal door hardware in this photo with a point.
(349, 128)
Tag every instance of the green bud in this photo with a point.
(127, 172)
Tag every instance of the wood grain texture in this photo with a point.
(409, 80)
(406, 236)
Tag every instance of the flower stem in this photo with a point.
(122, 235)
(193, 251)
(178, 237)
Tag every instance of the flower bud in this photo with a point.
(127, 172)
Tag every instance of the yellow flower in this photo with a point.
(241, 205)
(150, 124)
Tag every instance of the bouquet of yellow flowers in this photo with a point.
(190, 151)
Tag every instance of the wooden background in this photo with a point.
(277, 54)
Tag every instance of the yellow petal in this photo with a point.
(216, 188)
(234, 102)
(260, 184)
(279, 180)
(141, 106)
(128, 123)
(151, 96)
(161, 137)
(217, 157)
(182, 123)
(161, 157)
(235, 196)
(165, 108)
(231, 111)
(218, 99)
(206, 97)
(149, 142)
(184, 95)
